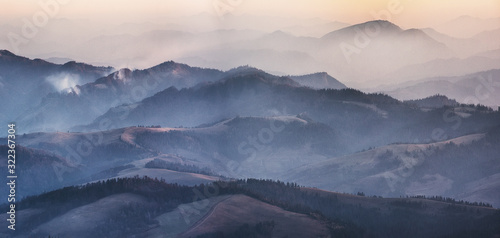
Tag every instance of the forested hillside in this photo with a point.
(345, 215)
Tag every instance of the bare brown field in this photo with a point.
(240, 209)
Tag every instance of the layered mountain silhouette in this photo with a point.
(240, 123)
(80, 104)
(255, 93)
(242, 208)
(476, 88)
(318, 81)
(414, 169)
(220, 140)
(378, 47)
(24, 82)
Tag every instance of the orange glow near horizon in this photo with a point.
(420, 13)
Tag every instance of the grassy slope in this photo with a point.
(239, 209)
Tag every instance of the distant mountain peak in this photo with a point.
(324, 74)
(58, 60)
(166, 64)
(256, 78)
(318, 80)
(279, 33)
(378, 22)
(435, 101)
(245, 69)
(70, 63)
(467, 17)
(251, 73)
(384, 25)
(413, 32)
(122, 74)
(7, 53)
(379, 25)
(73, 65)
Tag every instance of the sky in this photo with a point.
(406, 13)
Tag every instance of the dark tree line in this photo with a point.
(162, 164)
(400, 219)
(452, 201)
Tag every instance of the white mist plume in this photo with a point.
(63, 81)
